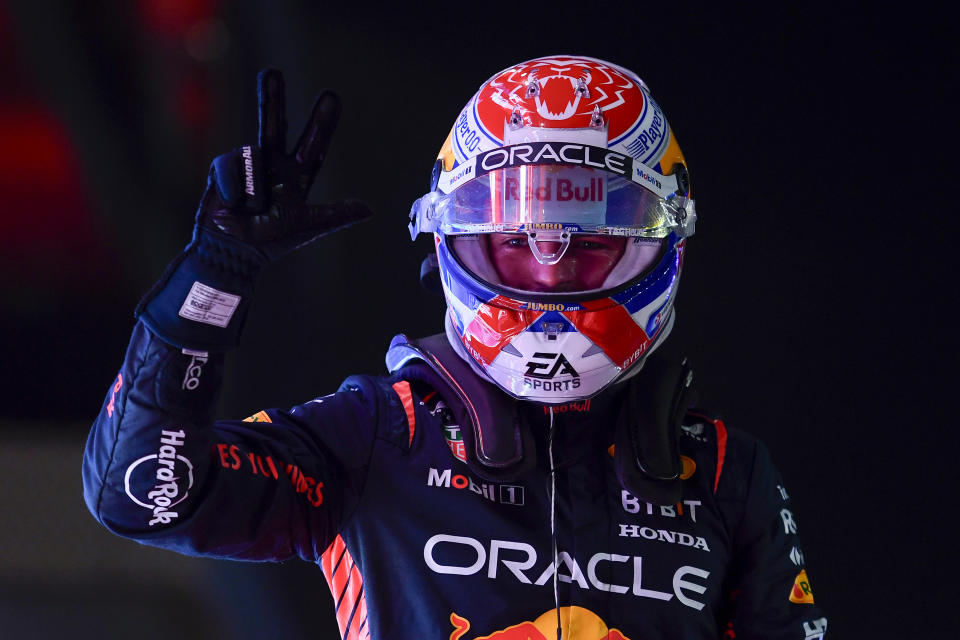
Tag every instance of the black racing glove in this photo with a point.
(253, 211)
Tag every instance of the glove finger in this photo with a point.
(312, 147)
(327, 218)
(309, 222)
(239, 179)
(272, 135)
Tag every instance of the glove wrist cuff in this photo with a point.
(202, 299)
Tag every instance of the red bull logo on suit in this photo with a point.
(577, 623)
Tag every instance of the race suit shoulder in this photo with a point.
(371, 483)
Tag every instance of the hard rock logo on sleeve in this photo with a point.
(160, 481)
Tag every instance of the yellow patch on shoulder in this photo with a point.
(259, 416)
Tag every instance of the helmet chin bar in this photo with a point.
(454, 339)
(534, 238)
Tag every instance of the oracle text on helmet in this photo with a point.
(555, 153)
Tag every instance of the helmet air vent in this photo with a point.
(533, 87)
(582, 89)
(596, 118)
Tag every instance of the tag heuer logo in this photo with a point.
(454, 437)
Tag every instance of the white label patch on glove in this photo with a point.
(209, 306)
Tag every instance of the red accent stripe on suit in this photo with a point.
(406, 397)
(721, 450)
(346, 585)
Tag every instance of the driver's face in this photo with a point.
(586, 264)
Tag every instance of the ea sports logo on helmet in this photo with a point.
(562, 92)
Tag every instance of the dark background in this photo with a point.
(817, 302)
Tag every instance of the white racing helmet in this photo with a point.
(556, 150)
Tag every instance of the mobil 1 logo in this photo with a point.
(502, 493)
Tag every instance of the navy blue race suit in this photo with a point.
(370, 483)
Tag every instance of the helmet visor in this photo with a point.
(524, 267)
(578, 199)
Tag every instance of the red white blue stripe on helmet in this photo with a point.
(487, 321)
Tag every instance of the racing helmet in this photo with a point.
(547, 155)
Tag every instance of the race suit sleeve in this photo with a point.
(770, 591)
(159, 470)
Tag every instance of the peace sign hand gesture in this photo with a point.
(253, 211)
(257, 194)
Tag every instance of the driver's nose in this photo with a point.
(550, 277)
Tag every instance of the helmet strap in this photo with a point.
(646, 453)
(496, 436)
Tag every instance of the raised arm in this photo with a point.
(157, 467)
